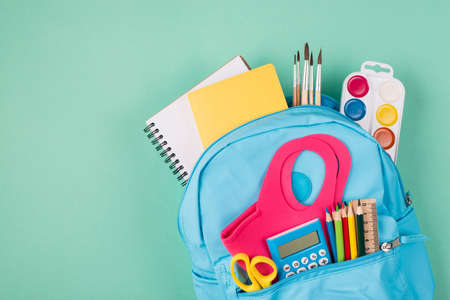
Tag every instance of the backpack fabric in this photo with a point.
(228, 178)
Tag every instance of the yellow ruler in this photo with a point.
(369, 207)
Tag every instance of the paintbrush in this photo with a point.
(298, 77)
(305, 77)
(311, 80)
(294, 84)
(319, 78)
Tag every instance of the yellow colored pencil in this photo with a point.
(352, 232)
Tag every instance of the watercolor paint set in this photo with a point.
(374, 99)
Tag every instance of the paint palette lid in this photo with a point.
(373, 98)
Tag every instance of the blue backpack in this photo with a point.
(227, 180)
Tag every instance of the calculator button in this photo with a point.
(313, 256)
(323, 261)
(289, 274)
(286, 268)
(295, 264)
(322, 252)
(312, 265)
(304, 260)
(302, 269)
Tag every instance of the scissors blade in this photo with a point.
(242, 274)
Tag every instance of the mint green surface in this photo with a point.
(88, 210)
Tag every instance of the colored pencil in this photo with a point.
(294, 84)
(331, 235)
(339, 236)
(305, 77)
(317, 99)
(311, 81)
(352, 232)
(298, 78)
(345, 230)
(360, 230)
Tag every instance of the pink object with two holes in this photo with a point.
(277, 209)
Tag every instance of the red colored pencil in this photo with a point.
(345, 230)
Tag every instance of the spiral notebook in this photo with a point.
(185, 128)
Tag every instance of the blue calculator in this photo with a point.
(299, 249)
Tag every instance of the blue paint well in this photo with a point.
(355, 109)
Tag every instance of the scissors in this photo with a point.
(258, 280)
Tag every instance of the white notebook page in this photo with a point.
(176, 121)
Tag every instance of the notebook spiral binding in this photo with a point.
(158, 141)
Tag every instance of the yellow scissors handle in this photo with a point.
(246, 287)
(258, 280)
(264, 280)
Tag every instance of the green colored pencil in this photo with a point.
(360, 230)
(339, 235)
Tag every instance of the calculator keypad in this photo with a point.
(312, 261)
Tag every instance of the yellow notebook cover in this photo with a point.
(225, 105)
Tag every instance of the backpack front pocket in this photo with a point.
(375, 276)
(206, 287)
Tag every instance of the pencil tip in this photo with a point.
(319, 60)
(311, 59)
(306, 51)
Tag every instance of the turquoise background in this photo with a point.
(88, 210)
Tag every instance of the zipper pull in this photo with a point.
(388, 246)
(404, 239)
(408, 199)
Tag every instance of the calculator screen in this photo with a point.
(299, 244)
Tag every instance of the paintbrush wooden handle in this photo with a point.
(304, 97)
(294, 96)
(318, 100)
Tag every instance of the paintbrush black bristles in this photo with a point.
(311, 59)
(319, 60)
(298, 55)
(306, 51)
(295, 62)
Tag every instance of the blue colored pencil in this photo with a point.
(331, 235)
